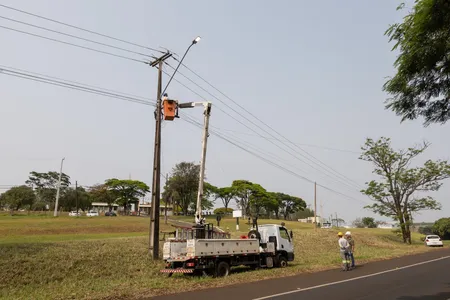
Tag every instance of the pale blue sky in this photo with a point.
(313, 70)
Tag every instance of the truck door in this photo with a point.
(285, 242)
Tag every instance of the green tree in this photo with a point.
(45, 185)
(369, 222)
(396, 195)
(421, 86)
(183, 185)
(128, 191)
(73, 198)
(225, 194)
(243, 190)
(303, 214)
(223, 211)
(358, 223)
(19, 196)
(289, 205)
(261, 201)
(102, 193)
(442, 228)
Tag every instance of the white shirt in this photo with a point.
(343, 243)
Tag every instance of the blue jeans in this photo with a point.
(350, 254)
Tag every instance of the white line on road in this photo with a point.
(352, 279)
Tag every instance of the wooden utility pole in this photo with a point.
(315, 206)
(153, 246)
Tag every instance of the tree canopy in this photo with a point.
(45, 185)
(182, 187)
(18, 197)
(399, 193)
(421, 86)
(128, 191)
(442, 228)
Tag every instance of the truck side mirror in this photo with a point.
(291, 234)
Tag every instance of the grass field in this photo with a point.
(106, 257)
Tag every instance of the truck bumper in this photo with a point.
(180, 270)
(291, 257)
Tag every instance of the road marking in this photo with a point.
(352, 279)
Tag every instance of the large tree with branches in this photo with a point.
(402, 188)
(421, 86)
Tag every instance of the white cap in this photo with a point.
(348, 233)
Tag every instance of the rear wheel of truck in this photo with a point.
(222, 269)
(253, 234)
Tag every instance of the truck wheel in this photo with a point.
(222, 269)
(253, 234)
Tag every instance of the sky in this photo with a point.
(312, 71)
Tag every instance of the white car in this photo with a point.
(326, 225)
(74, 214)
(433, 240)
(92, 213)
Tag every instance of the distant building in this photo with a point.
(386, 225)
(145, 208)
(311, 220)
(103, 207)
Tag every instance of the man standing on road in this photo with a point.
(351, 242)
(344, 248)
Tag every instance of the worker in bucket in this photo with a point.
(351, 242)
(344, 248)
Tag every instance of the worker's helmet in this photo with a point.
(340, 234)
(348, 233)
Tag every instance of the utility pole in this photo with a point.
(337, 221)
(165, 210)
(315, 206)
(55, 214)
(153, 246)
(76, 194)
(207, 114)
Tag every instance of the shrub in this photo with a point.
(223, 211)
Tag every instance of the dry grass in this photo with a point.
(97, 259)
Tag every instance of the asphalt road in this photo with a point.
(419, 277)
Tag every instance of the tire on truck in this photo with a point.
(281, 261)
(253, 234)
(222, 269)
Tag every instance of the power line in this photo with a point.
(73, 86)
(195, 123)
(299, 144)
(242, 123)
(72, 44)
(76, 37)
(338, 174)
(145, 99)
(79, 28)
(248, 145)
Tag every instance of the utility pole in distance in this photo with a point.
(153, 246)
(315, 206)
(55, 214)
(76, 194)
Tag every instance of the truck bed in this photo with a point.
(219, 247)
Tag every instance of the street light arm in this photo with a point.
(176, 69)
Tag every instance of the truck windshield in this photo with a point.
(284, 234)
